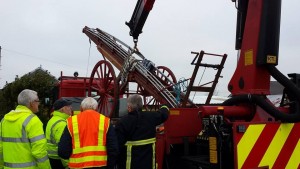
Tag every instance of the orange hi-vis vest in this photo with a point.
(88, 130)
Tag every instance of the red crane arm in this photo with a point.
(138, 18)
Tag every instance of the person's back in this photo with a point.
(23, 143)
(137, 132)
(87, 135)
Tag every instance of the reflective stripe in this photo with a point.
(16, 140)
(75, 132)
(141, 142)
(89, 148)
(52, 139)
(90, 158)
(25, 124)
(129, 145)
(40, 160)
(128, 160)
(52, 152)
(37, 138)
(164, 107)
(28, 164)
(101, 128)
(19, 165)
(24, 138)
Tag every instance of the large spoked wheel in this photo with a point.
(164, 74)
(103, 87)
(167, 78)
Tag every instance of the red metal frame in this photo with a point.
(71, 86)
(182, 122)
(249, 78)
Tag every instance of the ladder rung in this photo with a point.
(198, 88)
(208, 65)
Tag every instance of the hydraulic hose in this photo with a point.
(265, 105)
(284, 81)
(292, 88)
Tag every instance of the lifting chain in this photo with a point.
(135, 49)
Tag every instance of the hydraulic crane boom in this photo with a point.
(138, 18)
(257, 39)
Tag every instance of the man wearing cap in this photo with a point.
(55, 127)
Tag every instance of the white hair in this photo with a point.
(135, 101)
(89, 103)
(26, 97)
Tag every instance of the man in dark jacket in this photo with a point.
(136, 135)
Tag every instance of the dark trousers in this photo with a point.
(56, 164)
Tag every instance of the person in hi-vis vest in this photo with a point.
(89, 141)
(55, 127)
(22, 141)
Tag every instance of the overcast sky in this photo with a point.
(48, 33)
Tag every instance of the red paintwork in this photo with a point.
(182, 122)
(263, 142)
(227, 111)
(256, 78)
(73, 86)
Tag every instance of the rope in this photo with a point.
(199, 82)
(87, 66)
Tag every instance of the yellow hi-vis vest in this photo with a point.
(22, 142)
(51, 143)
(54, 130)
(89, 149)
(130, 144)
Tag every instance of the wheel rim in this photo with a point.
(103, 87)
(167, 73)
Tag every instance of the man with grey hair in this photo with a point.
(89, 141)
(88, 103)
(136, 134)
(22, 135)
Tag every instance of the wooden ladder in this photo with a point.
(201, 88)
